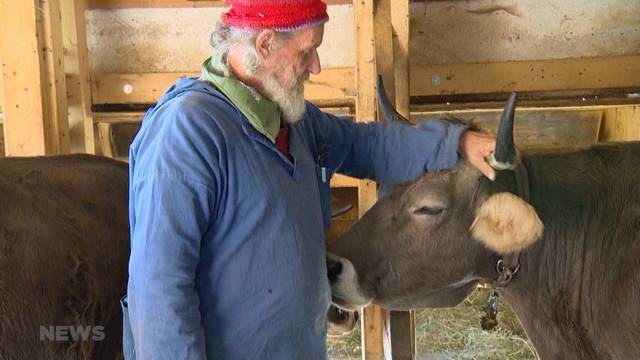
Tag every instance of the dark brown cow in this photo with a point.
(576, 287)
(63, 257)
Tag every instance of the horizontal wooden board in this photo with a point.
(118, 4)
(526, 76)
(335, 87)
(332, 87)
(540, 129)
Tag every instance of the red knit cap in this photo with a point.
(280, 15)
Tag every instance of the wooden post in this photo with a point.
(621, 124)
(365, 75)
(78, 78)
(35, 119)
(401, 323)
(378, 46)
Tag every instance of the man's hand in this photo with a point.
(474, 146)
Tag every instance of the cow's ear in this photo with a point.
(505, 224)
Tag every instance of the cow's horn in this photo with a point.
(389, 113)
(504, 156)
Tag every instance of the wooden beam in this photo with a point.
(401, 324)
(35, 119)
(400, 24)
(621, 124)
(330, 84)
(76, 63)
(618, 73)
(365, 74)
(384, 47)
(339, 180)
(524, 76)
(118, 4)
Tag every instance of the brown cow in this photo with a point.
(63, 257)
(575, 285)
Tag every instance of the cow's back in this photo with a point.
(63, 255)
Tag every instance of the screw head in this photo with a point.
(127, 89)
(435, 80)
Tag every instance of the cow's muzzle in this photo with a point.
(345, 288)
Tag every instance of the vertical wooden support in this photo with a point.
(365, 75)
(76, 62)
(400, 24)
(621, 124)
(401, 324)
(35, 119)
(385, 335)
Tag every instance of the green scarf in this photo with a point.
(262, 113)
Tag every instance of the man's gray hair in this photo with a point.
(224, 37)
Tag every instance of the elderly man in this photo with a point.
(229, 193)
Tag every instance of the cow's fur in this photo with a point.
(578, 291)
(63, 254)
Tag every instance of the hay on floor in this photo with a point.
(455, 333)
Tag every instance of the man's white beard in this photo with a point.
(290, 98)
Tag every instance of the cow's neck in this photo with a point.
(577, 197)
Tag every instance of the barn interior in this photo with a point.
(77, 76)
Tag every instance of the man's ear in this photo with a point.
(505, 224)
(265, 42)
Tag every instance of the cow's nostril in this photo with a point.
(334, 268)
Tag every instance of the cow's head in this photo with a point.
(429, 242)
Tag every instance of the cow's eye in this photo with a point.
(427, 210)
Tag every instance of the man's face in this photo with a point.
(287, 68)
(296, 57)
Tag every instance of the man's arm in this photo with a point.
(173, 195)
(393, 153)
(171, 216)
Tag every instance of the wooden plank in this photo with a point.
(118, 4)
(365, 73)
(400, 24)
(544, 128)
(330, 84)
(35, 119)
(76, 63)
(339, 180)
(565, 75)
(55, 79)
(401, 324)
(23, 112)
(621, 124)
(384, 46)
(522, 76)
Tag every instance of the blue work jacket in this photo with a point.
(227, 234)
